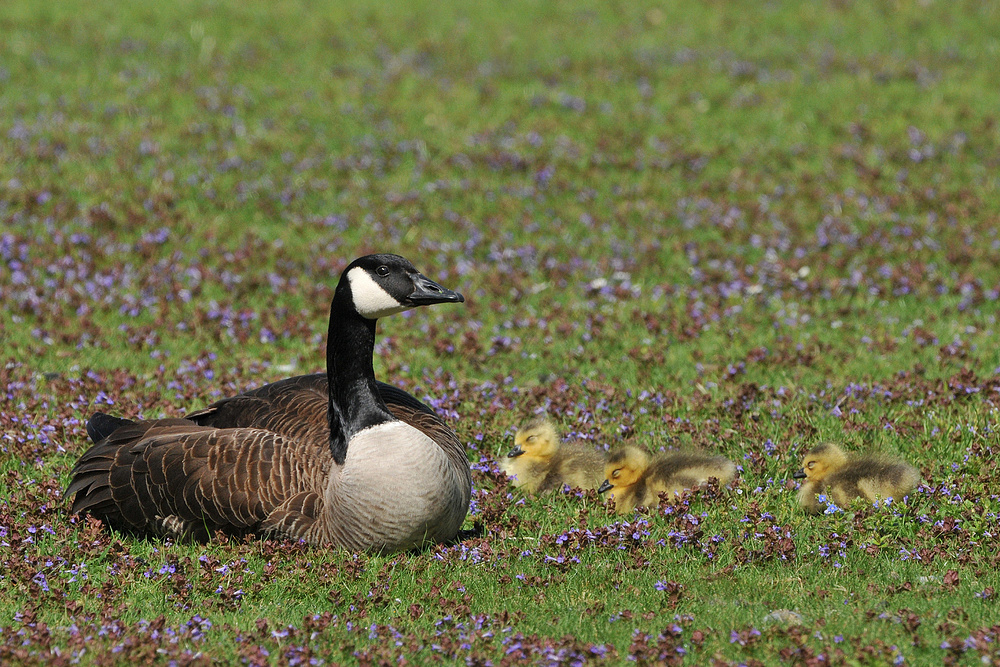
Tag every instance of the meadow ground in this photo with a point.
(744, 226)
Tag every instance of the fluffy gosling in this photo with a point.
(636, 479)
(540, 463)
(828, 470)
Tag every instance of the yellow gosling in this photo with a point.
(539, 462)
(635, 479)
(828, 470)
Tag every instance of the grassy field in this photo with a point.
(749, 227)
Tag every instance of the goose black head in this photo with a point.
(385, 284)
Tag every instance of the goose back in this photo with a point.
(297, 407)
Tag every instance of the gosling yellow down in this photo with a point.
(828, 470)
(539, 462)
(636, 479)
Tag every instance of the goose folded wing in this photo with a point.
(203, 477)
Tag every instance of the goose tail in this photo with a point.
(100, 426)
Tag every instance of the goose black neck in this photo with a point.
(355, 403)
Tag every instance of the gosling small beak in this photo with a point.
(426, 292)
(799, 474)
(605, 486)
(517, 451)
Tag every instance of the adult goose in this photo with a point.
(334, 457)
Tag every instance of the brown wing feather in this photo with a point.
(296, 516)
(295, 407)
(152, 470)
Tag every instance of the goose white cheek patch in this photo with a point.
(370, 300)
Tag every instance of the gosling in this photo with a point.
(828, 470)
(540, 463)
(635, 479)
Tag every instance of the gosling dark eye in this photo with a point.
(382, 270)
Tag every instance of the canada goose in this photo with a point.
(827, 469)
(636, 479)
(539, 462)
(333, 457)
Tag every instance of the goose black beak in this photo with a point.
(517, 451)
(605, 486)
(799, 474)
(426, 292)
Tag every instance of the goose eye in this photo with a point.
(382, 270)
(811, 465)
(531, 438)
(615, 474)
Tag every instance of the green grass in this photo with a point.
(740, 226)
